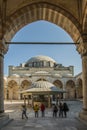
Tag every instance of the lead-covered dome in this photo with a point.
(40, 61)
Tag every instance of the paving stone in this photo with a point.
(47, 122)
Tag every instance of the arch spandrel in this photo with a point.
(42, 11)
(14, 5)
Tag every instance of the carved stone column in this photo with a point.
(4, 118)
(82, 49)
(3, 50)
(1, 83)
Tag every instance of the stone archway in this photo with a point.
(71, 90)
(58, 83)
(25, 84)
(42, 11)
(72, 21)
(12, 90)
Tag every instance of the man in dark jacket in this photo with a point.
(65, 109)
(55, 110)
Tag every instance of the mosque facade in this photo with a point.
(42, 68)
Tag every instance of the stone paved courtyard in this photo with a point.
(46, 123)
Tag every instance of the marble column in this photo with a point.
(4, 118)
(84, 74)
(83, 51)
(1, 83)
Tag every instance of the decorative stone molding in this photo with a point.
(82, 48)
(3, 47)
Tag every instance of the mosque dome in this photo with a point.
(41, 58)
(40, 61)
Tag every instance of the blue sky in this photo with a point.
(42, 31)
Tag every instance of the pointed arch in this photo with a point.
(71, 90)
(25, 84)
(12, 90)
(42, 11)
(58, 83)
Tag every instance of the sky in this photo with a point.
(42, 31)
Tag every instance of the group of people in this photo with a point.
(36, 110)
(62, 109)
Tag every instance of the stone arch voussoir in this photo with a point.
(42, 11)
(58, 83)
(85, 20)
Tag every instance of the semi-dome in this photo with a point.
(39, 61)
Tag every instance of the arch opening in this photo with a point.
(42, 11)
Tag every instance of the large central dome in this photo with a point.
(41, 58)
(40, 61)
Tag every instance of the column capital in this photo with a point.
(3, 47)
(82, 48)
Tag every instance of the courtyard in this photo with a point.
(72, 122)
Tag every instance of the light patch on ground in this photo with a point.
(8, 111)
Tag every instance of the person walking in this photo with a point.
(65, 109)
(24, 109)
(36, 109)
(42, 107)
(55, 110)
